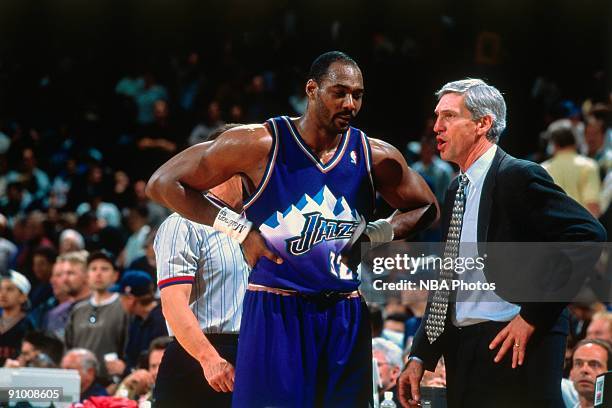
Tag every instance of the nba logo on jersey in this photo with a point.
(353, 157)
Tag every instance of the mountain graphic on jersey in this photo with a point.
(310, 222)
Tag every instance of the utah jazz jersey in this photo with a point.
(307, 210)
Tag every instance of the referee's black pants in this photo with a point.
(180, 380)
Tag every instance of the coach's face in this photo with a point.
(589, 361)
(337, 98)
(457, 133)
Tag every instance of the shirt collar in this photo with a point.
(105, 302)
(478, 170)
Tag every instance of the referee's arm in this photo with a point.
(175, 304)
(177, 254)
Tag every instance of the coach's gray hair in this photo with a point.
(481, 100)
(392, 352)
(88, 359)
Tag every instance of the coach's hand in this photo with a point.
(219, 373)
(514, 336)
(409, 384)
(254, 247)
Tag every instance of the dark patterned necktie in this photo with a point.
(439, 305)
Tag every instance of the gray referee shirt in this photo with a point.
(190, 253)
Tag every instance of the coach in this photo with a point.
(497, 353)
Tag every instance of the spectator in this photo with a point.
(99, 323)
(35, 181)
(38, 348)
(62, 184)
(393, 306)
(157, 142)
(376, 320)
(147, 262)
(394, 328)
(570, 116)
(105, 211)
(86, 363)
(416, 301)
(137, 294)
(600, 327)
(146, 98)
(138, 219)
(70, 270)
(130, 85)
(574, 173)
(433, 169)
(592, 357)
(70, 240)
(34, 236)
(388, 356)
(8, 250)
(59, 287)
(122, 193)
(14, 290)
(236, 113)
(157, 213)
(139, 384)
(98, 235)
(90, 183)
(597, 124)
(3, 174)
(42, 266)
(209, 124)
(16, 201)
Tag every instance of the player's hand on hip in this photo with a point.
(515, 337)
(255, 247)
(409, 384)
(220, 374)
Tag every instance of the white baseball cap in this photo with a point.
(22, 283)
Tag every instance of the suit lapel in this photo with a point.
(486, 198)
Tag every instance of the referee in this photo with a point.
(202, 277)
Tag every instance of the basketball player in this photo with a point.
(202, 277)
(305, 335)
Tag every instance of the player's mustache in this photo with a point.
(350, 114)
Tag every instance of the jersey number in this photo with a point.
(337, 268)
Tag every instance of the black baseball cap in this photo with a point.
(102, 254)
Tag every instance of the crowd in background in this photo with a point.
(77, 267)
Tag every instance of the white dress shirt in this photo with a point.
(477, 306)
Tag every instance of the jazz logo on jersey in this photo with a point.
(317, 229)
(353, 157)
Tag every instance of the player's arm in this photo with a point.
(178, 183)
(403, 189)
(175, 304)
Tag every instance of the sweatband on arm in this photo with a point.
(233, 224)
